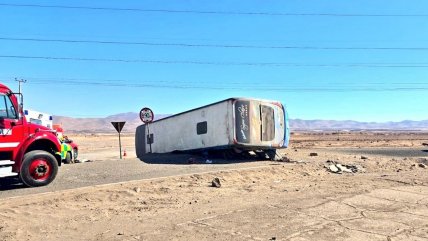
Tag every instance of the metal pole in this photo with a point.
(120, 147)
(150, 139)
(20, 81)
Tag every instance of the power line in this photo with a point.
(209, 12)
(243, 87)
(209, 45)
(258, 64)
(106, 82)
(273, 88)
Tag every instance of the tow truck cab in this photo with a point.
(27, 150)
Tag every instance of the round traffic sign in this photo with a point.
(146, 115)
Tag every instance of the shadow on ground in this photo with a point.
(11, 184)
(186, 159)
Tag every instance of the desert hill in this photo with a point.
(97, 125)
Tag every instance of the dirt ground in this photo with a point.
(387, 199)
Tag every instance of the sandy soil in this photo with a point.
(296, 200)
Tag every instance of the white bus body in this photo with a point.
(243, 123)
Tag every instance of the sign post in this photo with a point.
(147, 116)
(118, 126)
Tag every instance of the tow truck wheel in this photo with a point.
(39, 168)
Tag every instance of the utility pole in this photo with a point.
(20, 81)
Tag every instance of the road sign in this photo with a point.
(118, 125)
(146, 115)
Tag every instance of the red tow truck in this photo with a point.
(27, 150)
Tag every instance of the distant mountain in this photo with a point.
(298, 124)
(98, 125)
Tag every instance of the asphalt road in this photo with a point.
(392, 152)
(114, 170)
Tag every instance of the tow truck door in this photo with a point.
(10, 130)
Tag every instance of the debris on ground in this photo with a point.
(423, 161)
(284, 159)
(278, 157)
(289, 160)
(82, 161)
(313, 154)
(338, 168)
(216, 182)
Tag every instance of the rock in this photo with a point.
(343, 168)
(356, 168)
(285, 159)
(423, 160)
(216, 182)
(364, 157)
(425, 144)
(137, 189)
(313, 154)
(333, 168)
(422, 165)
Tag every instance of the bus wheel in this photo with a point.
(271, 154)
(39, 168)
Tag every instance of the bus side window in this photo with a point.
(201, 128)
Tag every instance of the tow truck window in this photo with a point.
(6, 108)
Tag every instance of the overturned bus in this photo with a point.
(238, 124)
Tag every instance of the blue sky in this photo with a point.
(243, 55)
